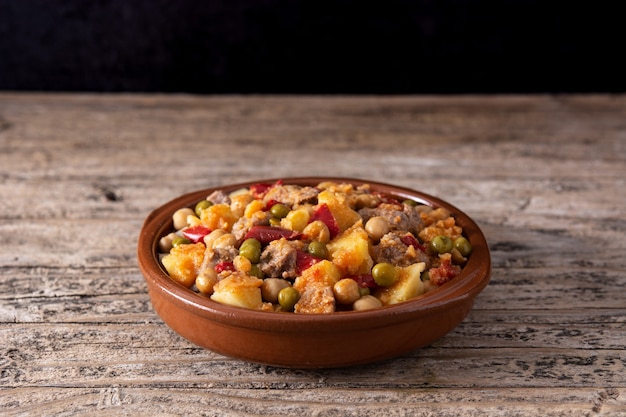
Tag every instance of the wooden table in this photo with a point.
(544, 176)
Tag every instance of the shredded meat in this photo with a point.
(445, 271)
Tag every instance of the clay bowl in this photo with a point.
(312, 341)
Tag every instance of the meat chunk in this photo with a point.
(394, 250)
(222, 254)
(279, 259)
(292, 195)
(398, 217)
(316, 299)
(244, 224)
(219, 197)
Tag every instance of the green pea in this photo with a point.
(202, 205)
(180, 240)
(288, 297)
(279, 211)
(251, 250)
(274, 221)
(425, 276)
(363, 291)
(255, 271)
(318, 249)
(441, 244)
(411, 203)
(463, 246)
(385, 274)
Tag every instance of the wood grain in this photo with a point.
(544, 176)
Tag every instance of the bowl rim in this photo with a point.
(468, 284)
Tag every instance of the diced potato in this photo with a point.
(239, 202)
(317, 298)
(336, 202)
(240, 290)
(408, 286)
(218, 216)
(350, 251)
(323, 272)
(253, 207)
(183, 263)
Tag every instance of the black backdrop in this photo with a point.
(320, 47)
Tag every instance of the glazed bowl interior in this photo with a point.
(312, 340)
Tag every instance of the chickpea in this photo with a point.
(211, 237)
(180, 217)
(224, 241)
(242, 264)
(346, 291)
(193, 220)
(366, 200)
(377, 227)
(271, 287)
(317, 230)
(206, 280)
(165, 243)
(422, 208)
(367, 302)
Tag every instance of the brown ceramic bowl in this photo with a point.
(312, 341)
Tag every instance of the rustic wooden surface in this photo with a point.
(544, 176)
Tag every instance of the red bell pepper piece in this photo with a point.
(269, 204)
(196, 233)
(224, 266)
(323, 213)
(260, 189)
(444, 272)
(265, 234)
(305, 260)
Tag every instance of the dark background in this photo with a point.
(320, 47)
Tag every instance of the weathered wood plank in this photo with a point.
(86, 362)
(544, 176)
(320, 402)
